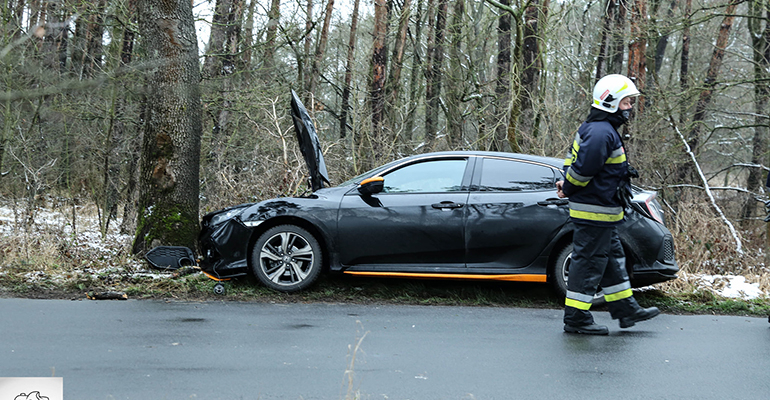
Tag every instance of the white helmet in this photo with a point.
(610, 90)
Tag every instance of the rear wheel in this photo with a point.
(559, 274)
(286, 258)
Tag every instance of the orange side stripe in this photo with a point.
(214, 277)
(508, 278)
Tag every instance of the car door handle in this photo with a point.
(447, 205)
(553, 202)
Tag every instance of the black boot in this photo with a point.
(592, 329)
(641, 314)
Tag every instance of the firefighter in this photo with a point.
(594, 169)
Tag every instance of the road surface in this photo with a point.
(140, 349)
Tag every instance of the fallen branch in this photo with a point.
(106, 296)
(738, 244)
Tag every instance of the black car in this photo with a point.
(452, 215)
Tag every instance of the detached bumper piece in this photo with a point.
(175, 257)
(171, 257)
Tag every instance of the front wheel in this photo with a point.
(559, 274)
(286, 258)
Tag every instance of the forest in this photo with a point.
(157, 112)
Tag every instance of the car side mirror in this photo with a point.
(371, 186)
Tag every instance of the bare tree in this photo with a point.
(455, 88)
(320, 49)
(349, 70)
(377, 86)
(707, 90)
(760, 41)
(503, 80)
(433, 74)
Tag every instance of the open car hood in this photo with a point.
(308, 143)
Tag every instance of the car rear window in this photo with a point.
(499, 175)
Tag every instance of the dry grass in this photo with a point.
(705, 246)
(44, 253)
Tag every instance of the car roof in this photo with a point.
(552, 161)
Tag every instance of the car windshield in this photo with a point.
(371, 172)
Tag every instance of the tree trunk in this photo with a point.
(603, 55)
(396, 65)
(684, 60)
(534, 17)
(414, 81)
(56, 37)
(273, 17)
(302, 77)
(170, 161)
(376, 91)
(128, 224)
(706, 94)
(349, 70)
(618, 45)
(455, 78)
(760, 40)
(435, 76)
(320, 49)
(503, 80)
(637, 50)
(221, 62)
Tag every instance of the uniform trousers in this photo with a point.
(598, 260)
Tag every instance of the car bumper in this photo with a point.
(656, 273)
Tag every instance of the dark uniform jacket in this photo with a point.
(594, 168)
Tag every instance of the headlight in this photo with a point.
(226, 215)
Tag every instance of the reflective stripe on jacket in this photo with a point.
(593, 169)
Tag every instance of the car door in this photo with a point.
(416, 222)
(513, 213)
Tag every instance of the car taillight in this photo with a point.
(653, 207)
(649, 206)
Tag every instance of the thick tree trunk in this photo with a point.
(171, 130)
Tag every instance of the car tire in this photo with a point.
(286, 258)
(559, 274)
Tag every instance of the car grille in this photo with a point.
(668, 248)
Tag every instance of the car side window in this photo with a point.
(515, 176)
(428, 176)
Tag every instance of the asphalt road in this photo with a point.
(223, 350)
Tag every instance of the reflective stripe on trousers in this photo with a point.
(597, 259)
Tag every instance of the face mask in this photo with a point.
(625, 115)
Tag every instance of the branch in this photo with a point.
(738, 245)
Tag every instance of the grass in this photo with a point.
(48, 261)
